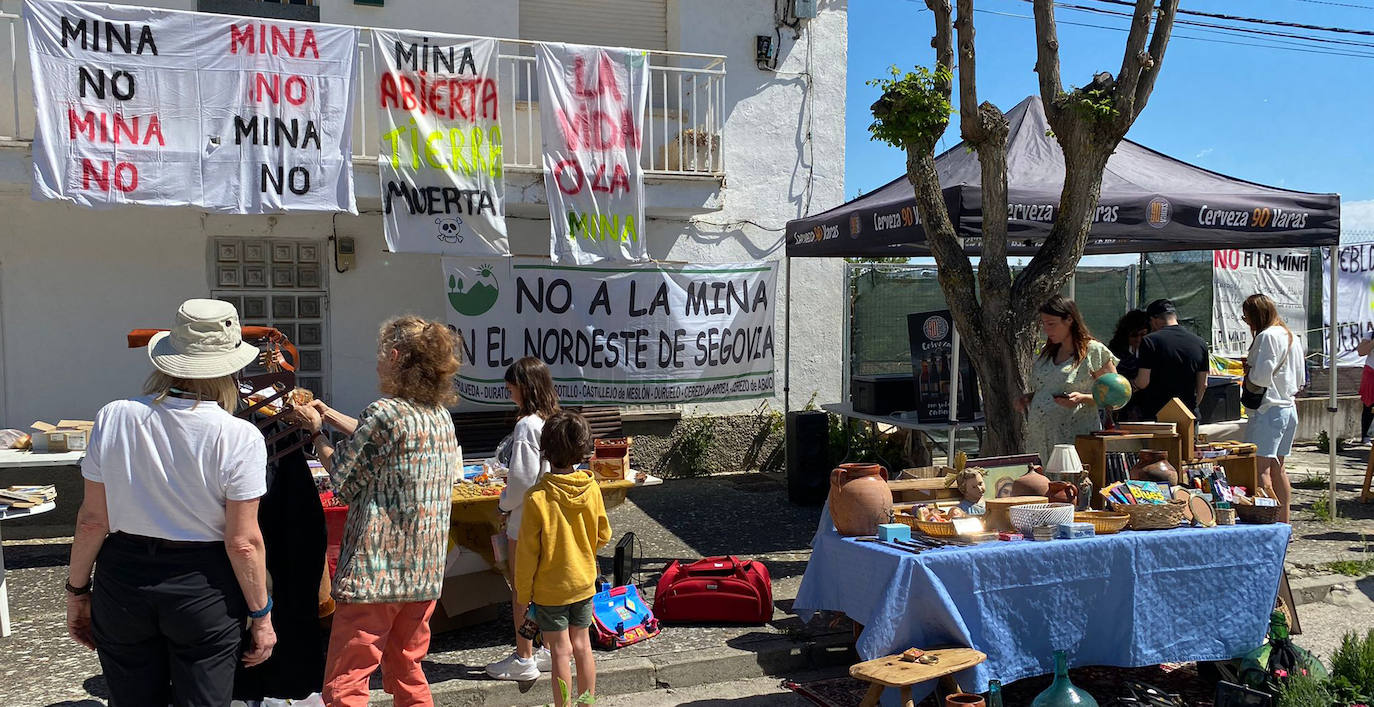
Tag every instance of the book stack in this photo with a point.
(1119, 466)
(1137, 492)
(27, 496)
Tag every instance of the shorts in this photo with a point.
(1272, 430)
(559, 618)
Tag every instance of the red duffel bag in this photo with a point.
(715, 590)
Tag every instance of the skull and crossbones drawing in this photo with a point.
(449, 230)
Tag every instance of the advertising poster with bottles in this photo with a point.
(932, 356)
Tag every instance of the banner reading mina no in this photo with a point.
(626, 335)
(169, 108)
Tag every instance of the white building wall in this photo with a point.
(74, 281)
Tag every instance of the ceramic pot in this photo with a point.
(860, 499)
(964, 699)
(1062, 492)
(1033, 483)
(1154, 466)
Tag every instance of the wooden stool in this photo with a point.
(893, 672)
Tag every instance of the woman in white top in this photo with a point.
(1275, 363)
(170, 522)
(531, 389)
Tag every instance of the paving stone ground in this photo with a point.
(741, 514)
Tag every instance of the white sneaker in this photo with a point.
(514, 668)
(543, 659)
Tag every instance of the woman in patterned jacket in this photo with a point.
(396, 474)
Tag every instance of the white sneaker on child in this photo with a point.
(514, 668)
(543, 659)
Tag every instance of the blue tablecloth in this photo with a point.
(1129, 599)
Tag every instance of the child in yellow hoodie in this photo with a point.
(555, 565)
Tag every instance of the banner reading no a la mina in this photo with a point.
(625, 335)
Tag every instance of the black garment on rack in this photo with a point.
(293, 531)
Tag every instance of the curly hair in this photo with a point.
(426, 360)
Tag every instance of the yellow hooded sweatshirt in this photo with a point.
(564, 524)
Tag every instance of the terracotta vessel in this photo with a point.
(860, 498)
(964, 699)
(1154, 466)
(1033, 483)
(1062, 492)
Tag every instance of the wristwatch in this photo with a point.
(77, 591)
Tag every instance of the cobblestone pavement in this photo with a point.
(741, 514)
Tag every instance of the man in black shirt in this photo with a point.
(1173, 363)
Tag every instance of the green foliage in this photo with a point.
(1313, 482)
(1351, 568)
(585, 698)
(1352, 668)
(1304, 691)
(914, 109)
(1093, 102)
(1321, 510)
(690, 454)
(1323, 442)
(878, 260)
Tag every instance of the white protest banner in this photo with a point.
(591, 112)
(169, 108)
(443, 186)
(1355, 303)
(1237, 274)
(620, 335)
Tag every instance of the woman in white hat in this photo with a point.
(169, 521)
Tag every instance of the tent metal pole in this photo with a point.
(1073, 285)
(846, 330)
(1332, 404)
(953, 384)
(787, 340)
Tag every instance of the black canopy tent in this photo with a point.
(1150, 202)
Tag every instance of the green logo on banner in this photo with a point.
(479, 296)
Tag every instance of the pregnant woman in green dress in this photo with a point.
(1060, 400)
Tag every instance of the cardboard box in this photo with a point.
(469, 599)
(610, 469)
(65, 436)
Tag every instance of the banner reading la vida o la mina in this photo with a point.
(591, 116)
(159, 107)
(1355, 300)
(630, 334)
(1236, 274)
(441, 164)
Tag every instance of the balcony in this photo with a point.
(683, 128)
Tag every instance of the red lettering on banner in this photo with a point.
(125, 175)
(126, 129)
(1226, 259)
(452, 98)
(270, 39)
(598, 130)
(270, 86)
(578, 176)
(605, 84)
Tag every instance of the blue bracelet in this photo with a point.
(263, 611)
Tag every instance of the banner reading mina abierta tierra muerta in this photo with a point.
(623, 335)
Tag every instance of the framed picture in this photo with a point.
(1000, 472)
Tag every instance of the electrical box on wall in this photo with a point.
(344, 254)
(805, 9)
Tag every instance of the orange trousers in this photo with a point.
(394, 636)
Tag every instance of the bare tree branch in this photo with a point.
(1047, 57)
(942, 42)
(969, 125)
(955, 268)
(1133, 63)
(1164, 26)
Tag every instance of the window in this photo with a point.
(638, 24)
(294, 10)
(279, 283)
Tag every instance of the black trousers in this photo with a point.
(168, 622)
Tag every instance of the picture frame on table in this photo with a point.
(1000, 472)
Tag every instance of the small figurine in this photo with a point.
(970, 485)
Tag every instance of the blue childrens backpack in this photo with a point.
(621, 617)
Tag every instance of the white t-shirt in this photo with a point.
(525, 469)
(1278, 365)
(169, 467)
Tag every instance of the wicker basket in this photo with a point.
(1260, 515)
(1025, 517)
(1103, 522)
(1152, 516)
(933, 528)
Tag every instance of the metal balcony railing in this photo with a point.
(683, 127)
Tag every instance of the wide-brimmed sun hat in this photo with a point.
(205, 342)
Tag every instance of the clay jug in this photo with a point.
(1062, 492)
(1154, 466)
(1033, 483)
(860, 499)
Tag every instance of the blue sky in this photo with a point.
(1287, 118)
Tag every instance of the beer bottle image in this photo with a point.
(942, 365)
(923, 387)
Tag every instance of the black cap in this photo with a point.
(1161, 308)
